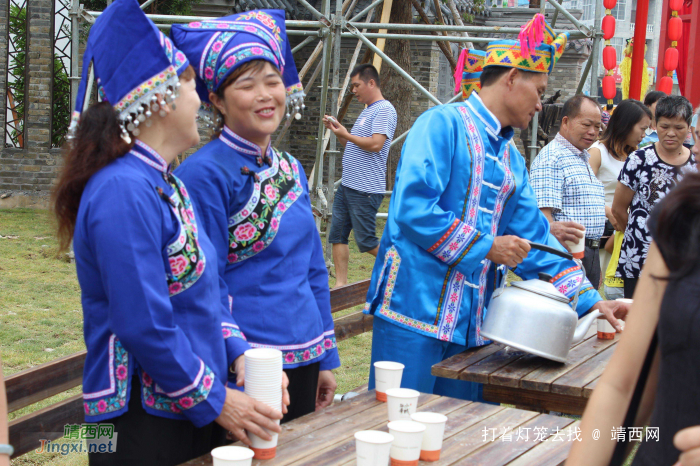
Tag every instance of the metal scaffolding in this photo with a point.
(330, 26)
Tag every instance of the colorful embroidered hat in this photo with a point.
(132, 61)
(218, 47)
(537, 48)
(468, 71)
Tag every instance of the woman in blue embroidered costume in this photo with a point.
(160, 339)
(462, 207)
(254, 199)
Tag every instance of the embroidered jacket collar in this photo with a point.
(149, 156)
(493, 125)
(239, 144)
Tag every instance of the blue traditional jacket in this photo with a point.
(151, 295)
(459, 183)
(257, 211)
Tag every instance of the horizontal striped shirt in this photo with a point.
(364, 170)
(564, 181)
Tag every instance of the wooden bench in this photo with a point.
(52, 378)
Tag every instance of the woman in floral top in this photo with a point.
(647, 176)
(255, 200)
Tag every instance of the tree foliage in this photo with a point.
(18, 29)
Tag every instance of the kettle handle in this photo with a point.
(551, 250)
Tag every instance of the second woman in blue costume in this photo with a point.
(254, 199)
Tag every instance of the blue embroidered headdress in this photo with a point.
(132, 62)
(218, 47)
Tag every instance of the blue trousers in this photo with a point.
(418, 353)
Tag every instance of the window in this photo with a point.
(16, 73)
(60, 94)
(619, 11)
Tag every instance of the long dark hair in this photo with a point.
(623, 120)
(97, 143)
(677, 227)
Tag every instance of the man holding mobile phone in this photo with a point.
(361, 191)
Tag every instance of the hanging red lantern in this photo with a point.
(671, 59)
(675, 28)
(610, 4)
(609, 89)
(610, 57)
(665, 85)
(675, 5)
(608, 27)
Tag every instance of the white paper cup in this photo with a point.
(408, 438)
(372, 447)
(605, 329)
(263, 382)
(387, 374)
(578, 250)
(401, 403)
(434, 432)
(232, 456)
(625, 300)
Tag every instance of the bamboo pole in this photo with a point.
(386, 13)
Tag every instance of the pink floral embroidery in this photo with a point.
(150, 401)
(307, 355)
(208, 72)
(200, 267)
(256, 51)
(178, 264)
(327, 343)
(232, 258)
(102, 406)
(186, 402)
(251, 29)
(274, 224)
(121, 372)
(207, 382)
(87, 408)
(230, 61)
(217, 46)
(319, 349)
(271, 192)
(284, 166)
(195, 24)
(147, 381)
(175, 288)
(258, 246)
(226, 332)
(292, 196)
(289, 357)
(174, 408)
(282, 207)
(244, 232)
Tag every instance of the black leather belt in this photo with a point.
(592, 243)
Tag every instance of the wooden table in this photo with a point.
(531, 382)
(326, 437)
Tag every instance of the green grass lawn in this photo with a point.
(41, 315)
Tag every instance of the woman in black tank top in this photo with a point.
(667, 302)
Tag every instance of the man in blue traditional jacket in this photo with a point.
(462, 205)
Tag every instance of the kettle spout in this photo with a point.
(584, 324)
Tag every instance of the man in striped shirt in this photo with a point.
(364, 170)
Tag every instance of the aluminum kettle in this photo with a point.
(533, 316)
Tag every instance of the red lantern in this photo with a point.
(675, 28)
(610, 4)
(610, 57)
(609, 90)
(675, 4)
(671, 59)
(608, 27)
(665, 85)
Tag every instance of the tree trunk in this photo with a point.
(394, 87)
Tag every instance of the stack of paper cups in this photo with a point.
(263, 382)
